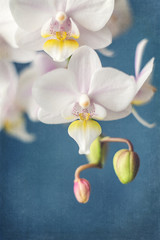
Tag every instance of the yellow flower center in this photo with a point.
(61, 35)
(84, 116)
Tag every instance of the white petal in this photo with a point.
(5, 15)
(92, 15)
(112, 89)
(58, 5)
(106, 52)
(50, 118)
(22, 56)
(30, 15)
(60, 50)
(84, 133)
(25, 100)
(121, 18)
(74, 29)
(139, 54)
(100, 112)
(141, 120)
(8, 32)
(30, 41)
(145, 74)
(8, 83)
(118, 115)
(67, 113)
(96, 40)
(44, 63)
(144, 95)
(55, 90)
(18, 130)
(84, 63)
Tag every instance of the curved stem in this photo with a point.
(84, 167)
(122, 140)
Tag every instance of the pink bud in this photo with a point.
(82, 190)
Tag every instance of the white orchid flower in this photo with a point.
(144, 90)
(119, 22)
(42, 64)
(85, 91)
(61, 26)
(11, 117)
(9, 50)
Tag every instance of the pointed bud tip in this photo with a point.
(81, 190)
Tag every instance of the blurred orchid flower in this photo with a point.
(42, 64)
(11, 117)
(144, 90)
(119, 22)
(9, 50)
(84, 92)
(60, 26)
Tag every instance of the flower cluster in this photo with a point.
(67, 83)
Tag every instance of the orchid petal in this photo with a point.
(60, 50)
(22, 56)
(46, 29)
(25, 100)
(145, 74)
(121, 18)
(141, 120)
(83, 63)
(138, 55)
(18, 130)
(44, 63)
(50, 118)
(144, 95)
(84, 133)
(96, 40)
(112, 89)
(30, 15)
(100, 112)
(106, 52)
(8, 32)
(30, 41)
(9, 53)
(74, 30)
(55, 90)
(111, 115)
(8, 82)
(92, 15)
(67, 113)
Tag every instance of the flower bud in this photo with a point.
(126, 165)
(82, 190)
(98, 152)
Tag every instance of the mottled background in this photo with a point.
(36, 180)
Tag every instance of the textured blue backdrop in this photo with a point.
(36, 180)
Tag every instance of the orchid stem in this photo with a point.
(122, 140)
(84, 167)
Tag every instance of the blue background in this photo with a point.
(36, 180)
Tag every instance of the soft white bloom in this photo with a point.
(85, 91)
(11, 117)
(119, 22)
(121, 18)
(61, 26)
(42, 64)
(9, 50)
(145, 91)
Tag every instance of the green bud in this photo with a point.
(98, 152)
(126, 164)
